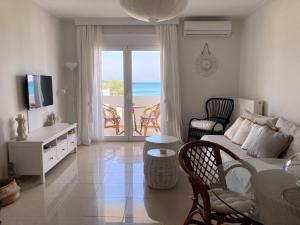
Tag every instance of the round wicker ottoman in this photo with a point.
(161, 141)
(161, 168)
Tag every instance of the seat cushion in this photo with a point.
(234, 199)
(206, 125)
(225, 142)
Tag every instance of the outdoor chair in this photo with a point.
(150, 119)
(111, 118)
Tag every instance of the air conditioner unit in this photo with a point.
(207, 28)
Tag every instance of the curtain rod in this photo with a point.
(119, 21)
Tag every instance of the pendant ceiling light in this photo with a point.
(153, 10)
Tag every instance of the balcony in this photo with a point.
(145, 115)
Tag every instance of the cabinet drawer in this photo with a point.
(50, 158)
(72, 142)
(62, 149)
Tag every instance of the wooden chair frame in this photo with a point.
(200, 173)
(149, 119)
(111, 118)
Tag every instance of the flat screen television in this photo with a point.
(38, 91)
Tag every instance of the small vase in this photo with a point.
(21, 130)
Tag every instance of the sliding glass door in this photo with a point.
(131, 93)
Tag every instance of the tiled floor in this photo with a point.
(101, 184)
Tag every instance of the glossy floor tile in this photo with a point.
(99, 185)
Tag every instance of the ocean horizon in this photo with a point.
(146, 89)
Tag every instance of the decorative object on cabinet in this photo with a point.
(51, 119)
(21, 130)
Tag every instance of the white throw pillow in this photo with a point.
(269, 144)
(289, 128)
(285, 126)
(234, 128)
(252, 136)
(259, 119)
(295, 144)
(242, 132)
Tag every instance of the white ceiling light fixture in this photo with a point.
(153, 10)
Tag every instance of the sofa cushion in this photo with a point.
(242, 132)
(259, 119)
(225, 142)
(234, 128)
(290, 128)
(206, 125)
(268, 144)
(252, 136)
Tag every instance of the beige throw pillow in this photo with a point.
(261, 120)
(242, 132)
(269, 144)
(234, 128)
(253, 136)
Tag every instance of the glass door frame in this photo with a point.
(127, 68)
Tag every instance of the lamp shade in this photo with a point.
(153, 10)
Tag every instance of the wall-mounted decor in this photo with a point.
(206, 63)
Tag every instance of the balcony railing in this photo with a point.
(145, 115)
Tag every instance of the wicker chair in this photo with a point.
(111, 118)
(150, 119)
(218, 112)
(200, 161)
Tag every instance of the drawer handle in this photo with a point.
(72, 142)
(51, 158)
(63, 149)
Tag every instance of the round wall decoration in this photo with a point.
(206, 64)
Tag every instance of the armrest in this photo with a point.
(213, 129)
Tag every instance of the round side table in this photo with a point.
(161, 141)
(161, 168)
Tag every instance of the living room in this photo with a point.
(147, 79)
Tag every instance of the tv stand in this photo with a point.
(44, 148)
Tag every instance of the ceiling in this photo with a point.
(73, 9)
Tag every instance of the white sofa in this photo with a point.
(283, 126)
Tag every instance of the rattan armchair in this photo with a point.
(200, 161)
(150, 119)
(111, 118)
(218, 113)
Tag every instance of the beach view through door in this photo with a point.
(131, 93)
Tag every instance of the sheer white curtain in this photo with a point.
(89, 99)
(171, 122)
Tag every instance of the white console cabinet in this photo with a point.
(44, 148)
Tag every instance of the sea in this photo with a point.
(146, 89)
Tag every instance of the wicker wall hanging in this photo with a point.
(206, 64)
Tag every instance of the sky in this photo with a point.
(145, 66)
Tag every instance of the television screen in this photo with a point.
(39, 91)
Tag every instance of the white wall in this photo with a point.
(29, 43)
(224, 83)
(270, 58)
(195, 89)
